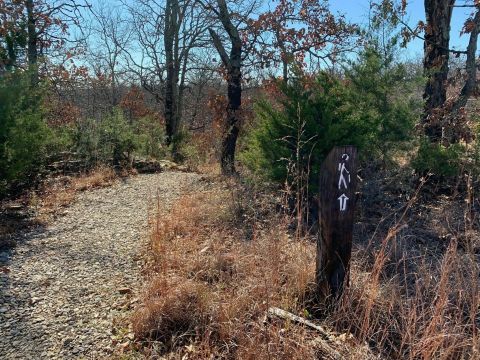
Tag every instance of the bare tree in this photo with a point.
(171, 34)
(469, 89)
(110, 37)
(233, 63)
(300, 28)
(442, 120)
(167, 34)
(12, 35)
(47, 26)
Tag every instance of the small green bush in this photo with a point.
(62, 139)
(116, 138)
(86, 141)
(364, 108)
(186, 149)
(452, 160)
(309, 123)
(437, 159)
(24, 135)
(150, 138)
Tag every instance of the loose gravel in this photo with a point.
(63, 287)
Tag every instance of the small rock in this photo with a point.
(34, 300)
(124, 346)
(67, 342)
(204, 249)
(38, 320)
(125, 291)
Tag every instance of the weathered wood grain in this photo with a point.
(337, 204)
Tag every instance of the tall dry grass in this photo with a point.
(211, 283)
(411, 302)
(430, 313)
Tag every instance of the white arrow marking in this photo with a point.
(343, 202)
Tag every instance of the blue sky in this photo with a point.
(357, 11)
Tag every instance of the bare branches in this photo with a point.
(293, 29)
(471, 83)
(48, 25)
(217, 42)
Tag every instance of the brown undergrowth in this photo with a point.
(218, 262)
(415, 291)
(211, 285)
(36, 207)
(422, 309)
(58, 193)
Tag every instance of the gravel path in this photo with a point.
(62, 288)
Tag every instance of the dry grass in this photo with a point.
(100, 177)
(211, 285)
(61, 192)
(54, 195)
(427, 308)
(418, 300)
(210, 168)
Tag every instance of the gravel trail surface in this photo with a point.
(63, 287)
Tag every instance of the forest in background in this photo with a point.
(260, 93)
(202, 82)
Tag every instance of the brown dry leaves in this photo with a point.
(211, 287)
(60, 192)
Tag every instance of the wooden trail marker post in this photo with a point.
(338, 182)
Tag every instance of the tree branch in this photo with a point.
(217, 42)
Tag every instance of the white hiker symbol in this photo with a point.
(343, 202)
(343, 173)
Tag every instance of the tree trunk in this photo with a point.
(234, 101)
(285, 70)
(233, 64)
(284, 55)
(171, 83)
(470, 87)
(183, 60)
(438, 15)
(11, 59)
(32, 43)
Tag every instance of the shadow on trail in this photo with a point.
(17, 225)
(14, 222)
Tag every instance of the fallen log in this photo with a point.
(322, 341)
(274, 311)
